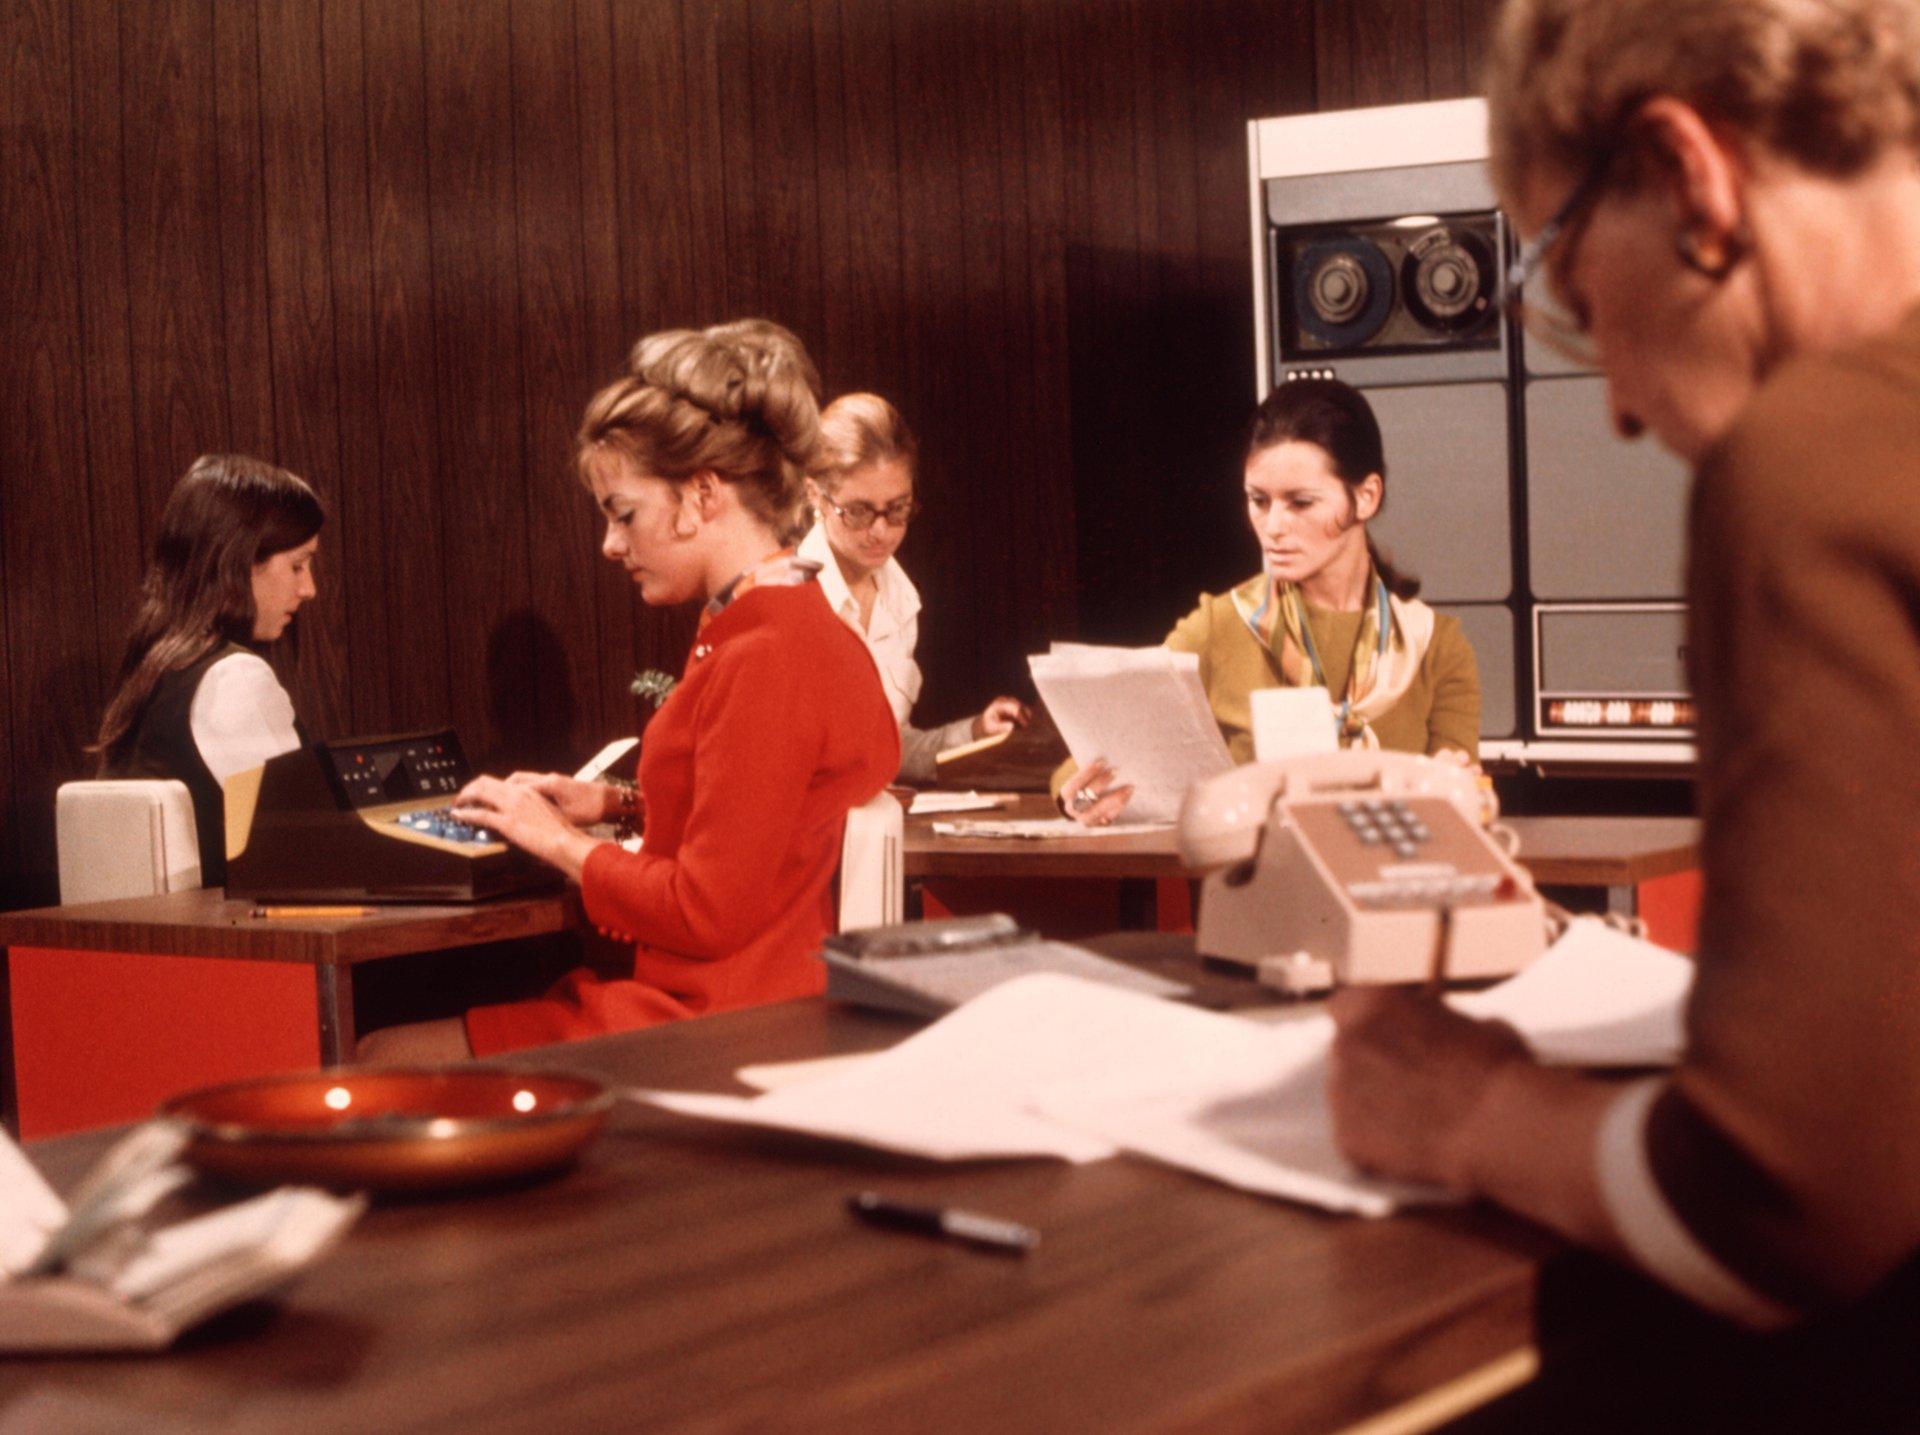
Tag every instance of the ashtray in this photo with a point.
(391, 1129)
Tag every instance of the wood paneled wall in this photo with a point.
(395, 244)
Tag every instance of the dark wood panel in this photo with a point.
(300, 318)
(1040, 489)
(174, 242)
(932, 92)
(782, 207)
(113, 484)
(607, 333)
(477, 370)
(560, 648)
(45, 542)
(398, 372)
(245, 313)
(358, 549)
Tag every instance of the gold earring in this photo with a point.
(1714, 259)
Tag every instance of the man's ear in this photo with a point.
(1705, 172)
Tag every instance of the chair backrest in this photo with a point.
(872, 877)
(125, 838)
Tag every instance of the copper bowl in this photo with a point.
(395, 1129)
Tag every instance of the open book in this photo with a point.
(1143, 710)
(97, 1277)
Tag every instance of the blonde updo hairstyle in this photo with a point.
(1827, 84)
(739, 401)
(856, 431)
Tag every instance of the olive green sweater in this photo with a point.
(1441, 709)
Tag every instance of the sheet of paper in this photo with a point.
(1254, 1115)
(1290, 722)
(925, 802)
(29, 1210)
(1041, 828)
(960, 1088)
(606, 758)
(1143, 709)
(1251, 1114)
(1598, 997)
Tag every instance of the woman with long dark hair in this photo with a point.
(1326, 610)
(195, 698)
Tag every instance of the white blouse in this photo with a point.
(240, 716)
(891, 632)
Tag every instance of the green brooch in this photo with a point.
(653, 685)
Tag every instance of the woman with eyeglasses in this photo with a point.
(1326, 610)
(861, 491)
(1724, 198)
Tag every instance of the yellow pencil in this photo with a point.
(273, 914)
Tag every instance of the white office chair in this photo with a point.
(872, 878)
(125, 838)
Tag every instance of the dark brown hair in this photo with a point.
(229, 513)
(1337, 419)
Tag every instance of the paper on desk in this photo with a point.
(1253, 1114)
(1598, 997)
(960, 1088)
(925, 802)
(1040, 828)
(1143, 709)
(1051, 1065)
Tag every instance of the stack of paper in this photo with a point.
(1049, 1065)
(1039, 829)
(94, 1279)
(1143, 710)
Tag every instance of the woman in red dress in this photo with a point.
(778, 727)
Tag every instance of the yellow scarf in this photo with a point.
(1392, 643)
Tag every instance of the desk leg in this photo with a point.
(1623, 901)
(333, 988)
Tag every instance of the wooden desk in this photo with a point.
(1617, 853)
(187, 988)
(690, 1276)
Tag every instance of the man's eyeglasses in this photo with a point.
(1553, 325)
(862, 516)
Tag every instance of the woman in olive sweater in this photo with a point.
(1326, 610)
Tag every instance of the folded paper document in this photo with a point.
(98, 1277)
(1051, 1065)
(1143, 710)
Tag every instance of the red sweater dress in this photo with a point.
(749, 768)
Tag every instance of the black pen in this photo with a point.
(989, 1232)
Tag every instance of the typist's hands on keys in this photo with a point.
(1091, 798)
(520, 812)
(581, 803)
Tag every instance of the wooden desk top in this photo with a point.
(204, 923)
(1566, 851)
(694, 1276)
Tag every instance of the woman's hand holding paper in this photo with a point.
(1091, 798)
